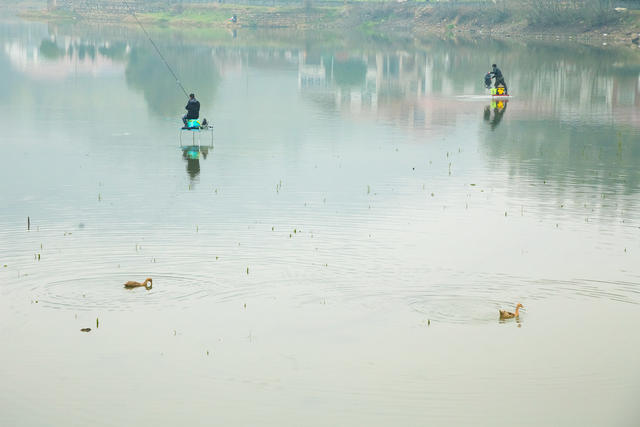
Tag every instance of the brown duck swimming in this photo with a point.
(509, 315)
(132, 284)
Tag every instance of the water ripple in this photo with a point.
(106, 292)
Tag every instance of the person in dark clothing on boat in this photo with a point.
(487, 80)
(497, 74)
(193, 109)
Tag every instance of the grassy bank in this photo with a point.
(573, 18)
(249, 16)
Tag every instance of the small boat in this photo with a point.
(499, 92)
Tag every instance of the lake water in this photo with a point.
(338, 254)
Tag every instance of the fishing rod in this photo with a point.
(133, 13)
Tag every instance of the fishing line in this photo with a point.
(132, 12)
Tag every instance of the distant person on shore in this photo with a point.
(193, 109)
(497, 74)
(233, 19)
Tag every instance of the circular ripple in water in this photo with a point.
(108, 292)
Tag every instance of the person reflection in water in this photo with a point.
(498, 108)
(192, 155)
(193, 110)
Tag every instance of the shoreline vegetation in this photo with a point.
(590, 21)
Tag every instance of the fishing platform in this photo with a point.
(197, 128)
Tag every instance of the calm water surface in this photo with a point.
(339, 254)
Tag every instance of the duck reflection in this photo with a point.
(498, 109)
(192, 153)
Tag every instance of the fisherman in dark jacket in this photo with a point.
(497, 74)
(193, 109)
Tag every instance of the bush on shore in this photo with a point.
(536, 13)
(591, 13)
